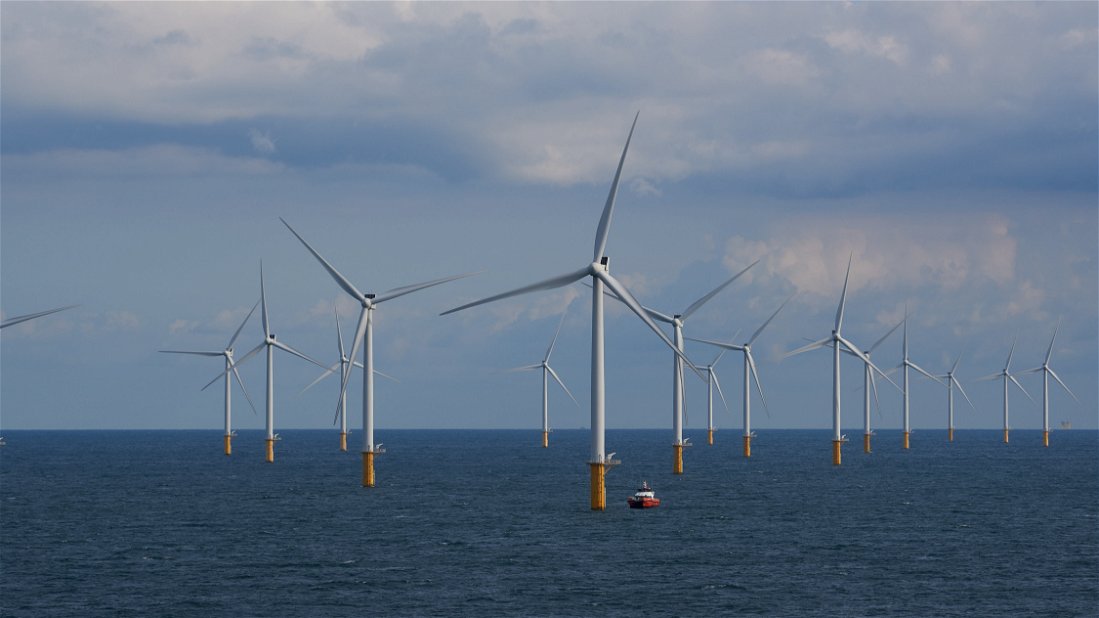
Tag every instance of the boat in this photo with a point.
(643, 498)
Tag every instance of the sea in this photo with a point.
(489, 523)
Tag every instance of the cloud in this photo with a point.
(854, 41)
(261, 141)
(155, 160)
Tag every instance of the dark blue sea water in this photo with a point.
(487, 523)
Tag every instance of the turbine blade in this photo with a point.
(416, 287)
(635, 306)
(718, 385)
(1049, 352)
(192, 352)
(864, 358)
(885, 336)
(1007, 366)
(705, 299)
(386, 376)
(604, 229)
(561, 323)
(805, 348)
(755, 378)
(229, 346)
(843, 297)
(760, 329)
(548, 284)
(339, 332)
(962, 391)
(526, 367)
(236, 374)
(874, 388)
(335, 274)
(556, 377)
(955, 367)
(991, 377)
(1063, 385)
(720, 344)
(238, 363)
(718, 358)
(1016, 382)
(324, 374)
(30, 316)
(926, 374)
(263, 303)
(360, 332)
(282, 346)
(653, 313)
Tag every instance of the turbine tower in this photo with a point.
(836, 341)
(1007, 377)
(749, 372)
(711, 382)
(364, 334)
(1047, 371)
(230, 367)
(905, 364)
(30, 316)
(547, 373)
(951, 382)
(599, 271)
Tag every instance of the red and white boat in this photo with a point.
(643, 498)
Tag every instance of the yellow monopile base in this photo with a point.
(228, 444)
(1045, 438)
(598, 488)
(545, 439)
(747, 446)
(866, 443)
(906, 440)
(677, 466)
(368, 469)
(837, 458)
(950, 435)
(1005, 436)
(343, 441)
(710, 437)
(270, 451)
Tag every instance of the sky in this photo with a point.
(147, 151)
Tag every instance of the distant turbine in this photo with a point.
(1006, 375)
(677, 322)
(711, 382)
(868, 384)
(30, 316)
(341, 365)
(270, 343)
(548, 372)
(1047, 371)
(599, 271)
(905, 364)
(837, 342)
(364, 334)
(749, 372)
(230, 367)
(951, 382)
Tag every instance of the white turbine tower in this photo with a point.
(270, 343)
(750, 374)
(599, 272)
(548, 372)
(30, 316)
(364, 334)
(230, 367)
(1007, 376)
(869, 384)
(905, 364)
(951, 382)
(711, 383)
(837, 342)
(1047, 371)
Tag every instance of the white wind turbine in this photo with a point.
(905, 364)
(341, 365)
(600, 275)
(951, 382)
(836, 341)
(30, 316)
(750, 374)
(230, 367)
(270, 343)
(711, 383)
(1007, 376)
(1047, 371)
(548, 372)
(364, 334)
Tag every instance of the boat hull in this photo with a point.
(643, 503)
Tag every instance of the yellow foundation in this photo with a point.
(866, 443)
(710, 437)
(228, 444)
(1045, 438)
(906, 440)
(343, 441)
(747, 446)
(545, 439)
(677, 466)
(270, 451)
(598, 488)
(368, 469)
(837, 458)
(950, 435)
(1005, 436)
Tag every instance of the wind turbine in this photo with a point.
(905, 364)
(548, 372)
(1047, 371)
(341, 414)
(270, 343)
(30, 316)
(1007, 376)
(599, 271)
(836, 341)
(230, 367)
(364, 334)
(951, 382)
(869, 384)
(750, 371)
(711, 382)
